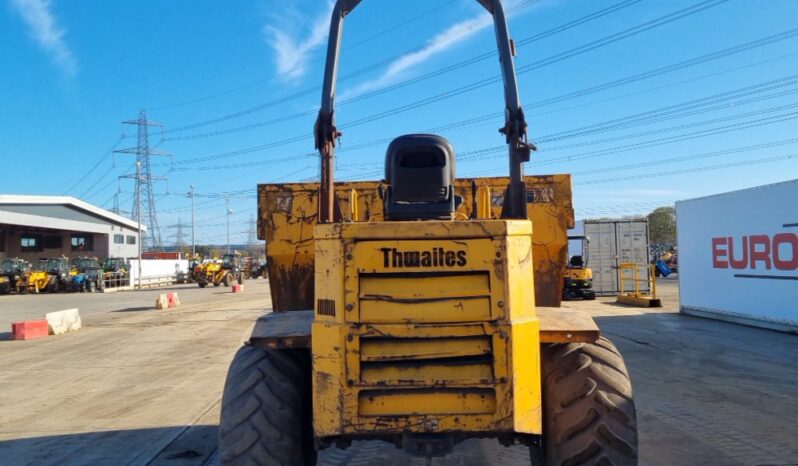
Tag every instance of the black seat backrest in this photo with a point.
(420, 170)
(577, 261)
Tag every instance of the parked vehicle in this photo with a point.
(89, 276)
(36, 279)
(224, 273)
(11, 271)
(115, 271)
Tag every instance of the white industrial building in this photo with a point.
(33, 227)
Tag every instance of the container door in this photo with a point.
(602, 258)
(633, 248)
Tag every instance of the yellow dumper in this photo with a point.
(414, 310)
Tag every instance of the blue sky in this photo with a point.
(613, 98)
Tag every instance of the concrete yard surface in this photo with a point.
(144, 387)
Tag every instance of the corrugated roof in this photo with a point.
(16, 199)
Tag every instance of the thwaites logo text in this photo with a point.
(756, 252)
(436, 257)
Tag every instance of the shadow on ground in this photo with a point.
(136, 309)
(174, 446)
(197, 446)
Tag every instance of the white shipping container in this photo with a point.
(613, 242)
(738, 256)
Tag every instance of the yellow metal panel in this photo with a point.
(329, 378)
(527, 413)
(442, 401)
(287, 213)
(427, 372)
(443, 310)
(391, 349)
(408, 287)
(413, 310)
(519, 281)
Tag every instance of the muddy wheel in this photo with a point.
(266, 409)
(241, 279)
(588, 410)
(226, 279)
(90, 287)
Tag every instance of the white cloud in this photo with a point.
(442, 42)
(44, 29)
(291, 50)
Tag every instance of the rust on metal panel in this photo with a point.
(288, 213)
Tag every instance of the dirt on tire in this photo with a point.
(266, 405)
(588, 410)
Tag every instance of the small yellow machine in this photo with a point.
(419, 326)
(578, 276)
(36, 279)
(220, 273)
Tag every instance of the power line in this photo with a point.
(94, 165)
(692, 170)
(528, 40)
(544, 102)
(295, 68)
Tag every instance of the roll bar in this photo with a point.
(514, 129)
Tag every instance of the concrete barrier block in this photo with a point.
(172, 300)
(162, 302)
(60, 322)
(29, 329)
(238, 288)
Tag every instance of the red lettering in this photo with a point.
(759, 255)
(738, 263)
(718, 253)
(779, 262)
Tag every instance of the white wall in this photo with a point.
(764, 291)
(151, 268)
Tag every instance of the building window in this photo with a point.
(52, 242)
(82, 243)
(131, 239)
(119, 239)
(30, 243)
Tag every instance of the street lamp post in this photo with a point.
(227, 203)
(138, 209)
(193, 225)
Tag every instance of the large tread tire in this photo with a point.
(226, 280)
(588, 409)
(266, 409)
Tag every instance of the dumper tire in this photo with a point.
(241, 279)
(266, 409)
(588, 409)
(226, 279)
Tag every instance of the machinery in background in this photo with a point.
(226, 272)
(89, 276)
(37, 279)
(578, 279)
(11, 272)
(116, 271)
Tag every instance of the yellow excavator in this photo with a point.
(578, 282)
(414, 318)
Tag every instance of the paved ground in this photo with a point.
(15, 307)
(143, 387)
